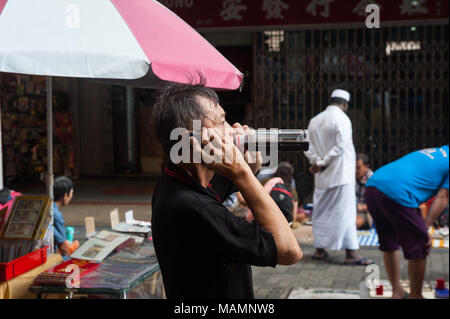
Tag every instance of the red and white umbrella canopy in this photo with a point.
(130, 42)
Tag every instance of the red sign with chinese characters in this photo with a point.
(203, 14)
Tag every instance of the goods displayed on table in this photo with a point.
(3, 217)
(99, 246)
(23, 100)
(23, 264)
(59, 274)
(10, 250)
(24, 111)
(384, 289)
(7, 197)
(131, 272)
(89, 223)
(440, 290)
(123, 268)
(25, 228)
(439, 237)
(137, 239)
(127, 228)
(144, 253)
(322, 293)
(130, 225)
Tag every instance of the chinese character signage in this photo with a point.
(203, 14)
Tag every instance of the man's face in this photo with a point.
(361, 169)
(68, 198)
(215, 115)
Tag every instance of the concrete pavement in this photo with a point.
(332, 274)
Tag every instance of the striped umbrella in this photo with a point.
(137, 43)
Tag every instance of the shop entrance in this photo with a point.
(136, 150)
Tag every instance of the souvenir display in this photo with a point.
(27, 218)
(24, 230)
(23, 125)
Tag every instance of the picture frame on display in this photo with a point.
(28, 214)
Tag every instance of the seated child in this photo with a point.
(63, 193)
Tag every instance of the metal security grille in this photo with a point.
(397, 76)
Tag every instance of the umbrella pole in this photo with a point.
(1, 145)
(50, 154)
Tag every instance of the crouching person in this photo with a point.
(63, 193)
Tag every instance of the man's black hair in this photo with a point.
(364, 158)
(177, 106)
(285, 173)
(61, 186)
(288, 165)
(338, 101)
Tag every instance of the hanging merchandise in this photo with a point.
(23, 125)
(64, 133)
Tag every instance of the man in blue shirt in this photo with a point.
(393, 196)
(63, 193)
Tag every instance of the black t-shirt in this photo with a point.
(203, 250)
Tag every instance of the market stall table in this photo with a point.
(131, 273)
(17, 288)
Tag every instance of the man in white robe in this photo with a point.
(333, 161)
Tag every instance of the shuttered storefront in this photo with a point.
(397, 76)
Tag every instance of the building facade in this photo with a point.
(391, 55)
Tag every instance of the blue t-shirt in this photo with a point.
(59, 226)
(414, 178)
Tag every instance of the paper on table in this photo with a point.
(137, 239)
(142, 223)
(129, 219)
(114, 214)
(127, 228)
(100, 246)
(130, 225)
(90, 226)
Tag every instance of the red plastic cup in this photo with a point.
(379, 290)
(440, 284)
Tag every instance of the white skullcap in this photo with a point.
(341, 94)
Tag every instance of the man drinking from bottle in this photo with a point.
(203, 250)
